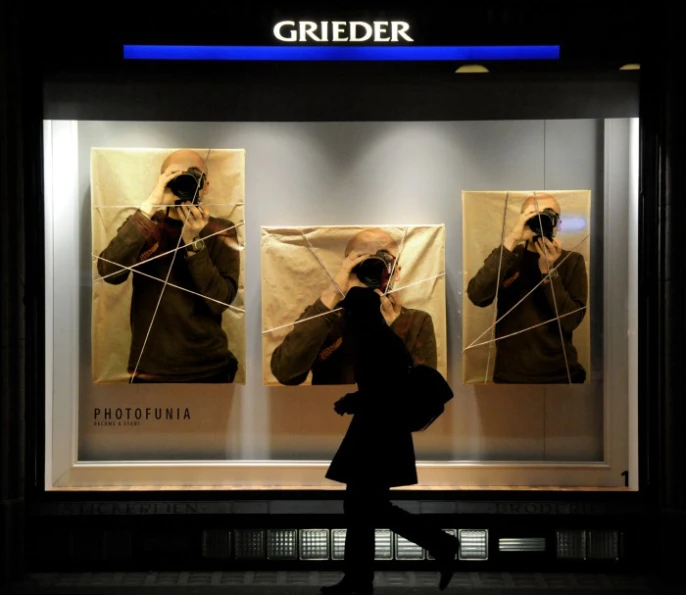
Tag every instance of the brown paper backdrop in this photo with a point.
(482, 225)
(121, 179)
(292, 278)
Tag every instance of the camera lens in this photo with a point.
(543, 225)
(186, 186)
(375, 271)
(371, 271)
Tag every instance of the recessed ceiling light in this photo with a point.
(471, 68)
(630, 67)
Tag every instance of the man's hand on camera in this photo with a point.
(552, 250)
(342, 281)
(161, 195)
(521, 232)
(196, 218)
(390, 307)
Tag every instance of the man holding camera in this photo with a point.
(178, 338)
(319, 344)
(533, 345)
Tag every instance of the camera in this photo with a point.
(187, 186)
(545, 225)
(375, 271)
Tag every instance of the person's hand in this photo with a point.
(331, 295)
(521, 232)
(161, 195)
(553, 250)
(196, 218)
(339, 406)
(345, 404)
(390, 307)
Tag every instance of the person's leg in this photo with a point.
(359, 538)
(415, 528)
(359, 544)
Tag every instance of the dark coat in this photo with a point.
(377, 448)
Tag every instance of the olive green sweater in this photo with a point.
(536, 355)
(186, 340)
(322, 346)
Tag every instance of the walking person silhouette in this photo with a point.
(377, 451)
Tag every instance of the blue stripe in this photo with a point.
(340, 53)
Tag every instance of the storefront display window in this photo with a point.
(292, 193)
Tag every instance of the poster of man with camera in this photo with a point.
(314, 349)
(540, 290)
(184, 263)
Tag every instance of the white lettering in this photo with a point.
(342, 31)
(279, 26)
(308, 29)
(399, 28)
(379, 30)
(339, 31)
(354, 25)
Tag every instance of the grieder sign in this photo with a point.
(325, 31)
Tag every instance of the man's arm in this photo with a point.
(293, 359)
(570, 294)
(215, 271)
(483, 286)
(132, 234)
(423, 343)
(125, 247)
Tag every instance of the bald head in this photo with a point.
(544, 201)
(184, 159)
(371, 241)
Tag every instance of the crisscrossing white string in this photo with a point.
(311, 248)
(418, 282)
(497, 286)
(388, 291)
(526, 329)
(338, 309)
(137, 264)
(124, 267)
(276, 328)
(552, 291)
(527, 295)
(400, 251)
(171, 264)
(546, 278)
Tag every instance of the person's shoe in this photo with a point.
(346, 587)
(446, 564)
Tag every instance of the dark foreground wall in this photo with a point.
(663, 307)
